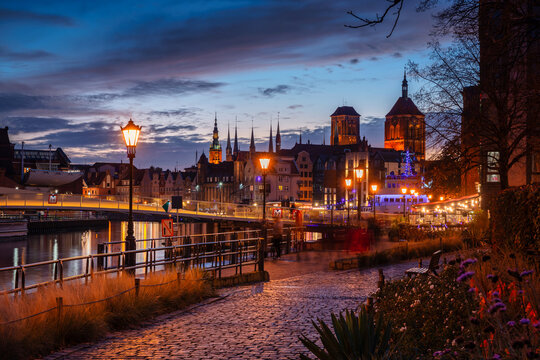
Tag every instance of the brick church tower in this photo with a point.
(345, 126)
(405, 126)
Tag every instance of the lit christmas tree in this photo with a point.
(408, 165)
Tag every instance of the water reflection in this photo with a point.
(44, 247)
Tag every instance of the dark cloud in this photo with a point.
(374, 58)
(295, 106)
(174, 113)
(280, 89)
(354, 61)
(397, 55)
(24, 55)
(21, 15)
(169, 87)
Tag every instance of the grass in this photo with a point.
(404, 251)
(45, 333)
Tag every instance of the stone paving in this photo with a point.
(262, 321)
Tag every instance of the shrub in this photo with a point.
(515, 219)
(354, 337)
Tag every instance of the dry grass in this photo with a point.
(45, 333)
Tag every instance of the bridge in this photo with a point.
(193, 209)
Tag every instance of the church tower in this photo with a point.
(405, 126)
(236, 150)
(345, 126)
(215, 147)
(270, 144)
(252, 142)
(228, 149)
(278, 137)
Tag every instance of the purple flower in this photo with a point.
(496, 356)
(471, 290)
(520, 292)
(437, 353)
(524, 321)
(468, 262)
(495, 294)
(495, 307)
(511, 323)
(537, 324)
(465, 276)
(526, 272)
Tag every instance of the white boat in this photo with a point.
(36, 177)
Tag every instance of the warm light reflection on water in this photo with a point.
(36, 248)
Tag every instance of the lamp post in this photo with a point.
(131, 136)
(404, 192)
(348, 183)
(265, 162)
(374, 190)
(359, 174)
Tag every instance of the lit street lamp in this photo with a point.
(359, 174)
(348, 183)
(265, 162)
(131, 136)
(374, 190)
(404, 192)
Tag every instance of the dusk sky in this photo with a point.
(71, 72)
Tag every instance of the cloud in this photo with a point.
(169, 87)
(22, 15)
(354, 61)
(175, 113)
(295, 106)
(24, 55)
(279, 89)
(397, 55)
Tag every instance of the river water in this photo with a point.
(44, 247)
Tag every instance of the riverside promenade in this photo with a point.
(261, 321)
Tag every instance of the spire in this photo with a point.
(215, 147)
(300, 139)
(270, 143)
(236, 150)
(228, 149)
(404, 86)
(278, 136)
(252, 143)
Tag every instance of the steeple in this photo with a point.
(300, 139)
(404, 86)
(215, 147)
(228, 149)
(235, 149)
(252, 143)
(278, 136)
(270, 143)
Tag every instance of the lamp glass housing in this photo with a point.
(348, 182)
(359, 173)
(131, 136)
(265, 162)
(403, 191)
(374, 188)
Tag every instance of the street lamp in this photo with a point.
(374, 190)
(404, 192)
(348, 183)
(359, 174)
(131, 136)
(265, 162)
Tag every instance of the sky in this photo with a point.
(73, 72)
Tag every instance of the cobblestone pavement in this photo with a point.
(262, 321)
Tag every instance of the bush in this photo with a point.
(354, 337)
(485, 307)
(515, 219)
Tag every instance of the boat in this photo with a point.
(13, 227)
(36, 177)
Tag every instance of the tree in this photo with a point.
(493, 54)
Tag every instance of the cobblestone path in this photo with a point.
(251, 322)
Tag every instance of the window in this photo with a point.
(280, 187)
(492, 161)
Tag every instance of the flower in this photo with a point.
(495, 294)
(524, 321)
(471, 290)
(465, 276)
(497, 306)
(468, 262)
(526, 272)
(496, 356)
(511, 323)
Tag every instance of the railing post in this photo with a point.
(241, 259)
(219, 258)
(23, 280)
(17, 278)
(100, 250)
(61, 272)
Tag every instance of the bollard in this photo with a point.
(137, 286)
(369, 303)
(380, 284)
(420, 263)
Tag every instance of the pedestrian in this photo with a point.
(277, 237)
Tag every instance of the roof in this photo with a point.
(345, 110)
(404, 106)
(388, 155)
(225, 168)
